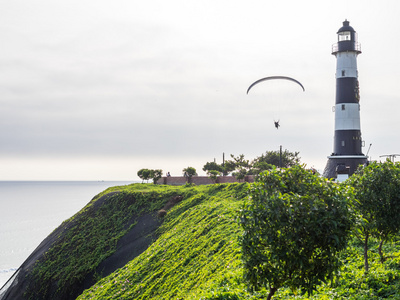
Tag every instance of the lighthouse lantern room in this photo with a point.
(347, 146)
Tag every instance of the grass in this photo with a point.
(197, 249)
(90, 236)
(197, 253)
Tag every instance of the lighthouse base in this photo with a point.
(350, 161)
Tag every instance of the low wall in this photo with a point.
(199, 180)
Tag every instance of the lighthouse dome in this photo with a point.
(346, 27)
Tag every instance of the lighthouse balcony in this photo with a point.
(346, 46)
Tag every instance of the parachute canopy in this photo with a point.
(275, 77)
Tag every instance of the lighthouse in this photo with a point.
(347, 154)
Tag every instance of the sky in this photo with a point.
(96, 90)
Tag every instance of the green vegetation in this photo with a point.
(91, 236)
(213, 175)
(146, 174)
(198, 254)
(189, 172)
(240, 167)
(378, 193)
(294, 227)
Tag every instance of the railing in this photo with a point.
(354, 46)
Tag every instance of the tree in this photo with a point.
(144, 174)
(377, 190)
(156, 175)
(241, 162)
(225, 168)
(213, 174)
(212, 166)
(240, 174)
(228, 167)
(294, 225)
(189, 172)
(260, 166)
(289, 159)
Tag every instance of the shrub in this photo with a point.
(294, 225)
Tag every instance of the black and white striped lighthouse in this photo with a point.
(347, 154)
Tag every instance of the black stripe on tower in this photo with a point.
(347, 142)
(347, 90)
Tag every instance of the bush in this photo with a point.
(294, 225)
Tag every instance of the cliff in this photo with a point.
(146, 241)
(115, 227)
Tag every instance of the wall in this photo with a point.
(199, 180)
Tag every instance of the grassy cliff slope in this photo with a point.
(191, 253)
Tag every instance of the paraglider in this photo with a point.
(275, 77)
(276, 123)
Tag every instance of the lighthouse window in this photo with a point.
(343, 107)
(342, 143)
(344, 36)
(343, 72)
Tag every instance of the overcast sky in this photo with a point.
(96, 90)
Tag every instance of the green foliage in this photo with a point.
(240, 174)
(144, 174)
(212, 166)
(239, 166)
(156, 175)
(289, 159)
(377, 189)
(90, 237)
(294, 227)
(213, 174)
(240, 162)
(189, 171)
(260, 166)
(228, 167)
(198, 255)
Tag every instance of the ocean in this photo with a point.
(31, 210)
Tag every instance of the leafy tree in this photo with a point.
(238, 164)
(377, 190)
(241, 166)
(228, 167)
(189, 172)
(294, 225)
(240, 174)
(212, 166)
(144, 174)
(289, 159)
(260, 166)
(213, 174)
(241, 162)
(156, 175)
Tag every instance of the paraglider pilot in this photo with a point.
(277, 124)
